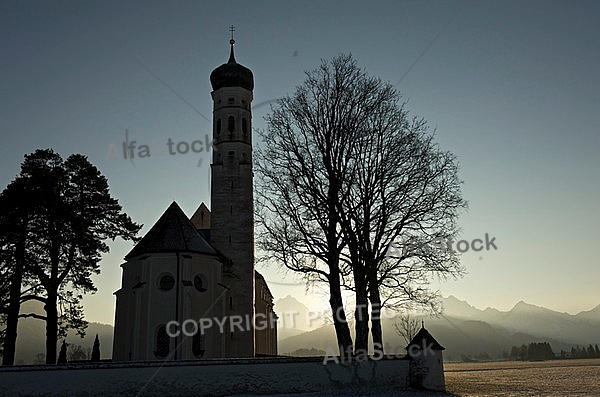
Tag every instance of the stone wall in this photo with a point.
(209, 377)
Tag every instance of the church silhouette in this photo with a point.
(189, 288)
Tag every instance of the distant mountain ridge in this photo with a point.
(462, 330)
(465, 330)
(31, 340)
(580, 328)
(31, 337)
(293, 318)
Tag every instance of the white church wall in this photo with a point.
(143, 305)
(205, 302)
(427, 371)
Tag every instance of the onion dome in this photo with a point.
(232, 74)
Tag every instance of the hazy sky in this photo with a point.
(512, 88)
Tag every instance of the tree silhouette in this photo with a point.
(343, 174)
(407, 327)
(401, 187)
(77, 353)
(300, 173)
(534, 351)
(16, 282)
(62, 357)
(96, 350)
(64, 212)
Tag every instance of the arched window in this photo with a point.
(231, 124)
(198, 349)
(244, 128)
(218, 126)
(162, 342)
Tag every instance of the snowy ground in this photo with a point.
(380, 393)
(557, 378)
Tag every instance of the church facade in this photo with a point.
(189, 288)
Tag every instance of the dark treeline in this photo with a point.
(543, 351)
(535, 351)
(582, 352)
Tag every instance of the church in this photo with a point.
(198, 273)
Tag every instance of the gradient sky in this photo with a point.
(512, 88)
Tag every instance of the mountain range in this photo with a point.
(580, 328)
(31, 337)
(462, 329)
(467, 331)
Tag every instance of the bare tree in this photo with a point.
(300, 178)
(343, 175)
(403, 188)
(407, 327)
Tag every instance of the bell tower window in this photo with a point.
(244, 128)
(231, 124)
(218, 126)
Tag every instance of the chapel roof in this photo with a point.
(173, 232)
(424, 338)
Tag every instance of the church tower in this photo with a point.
(186, 271)
(232, 207)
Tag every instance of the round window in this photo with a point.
(166, 282)
(199, 283)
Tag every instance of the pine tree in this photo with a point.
(65, 212)
(514, 353)
(96, 350)
(590, 351)
(62, 356)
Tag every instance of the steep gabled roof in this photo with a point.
(173, 232)
(201, 218)
(423, 338)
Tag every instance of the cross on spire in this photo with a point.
(231, 42)
(232, 29)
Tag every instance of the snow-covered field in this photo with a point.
(507, 379)
(557, 378)
(379, 393)
(512, 378)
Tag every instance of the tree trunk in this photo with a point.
(342, 331)
(51, 327)
(361, 316)
(12, 320)
(14, 306)
(375, 299)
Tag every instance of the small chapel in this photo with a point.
(186, 269)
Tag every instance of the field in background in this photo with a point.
(517, 378)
